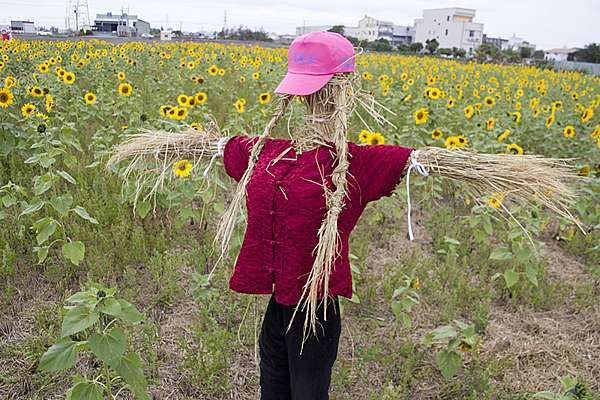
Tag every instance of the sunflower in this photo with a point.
(182, 168)
(164, 110)
(461, 141)
(239, 105)
(264, 98)
(213, 70)
(587, 114)
(191, 101)
(190, 65)
(221, 72)
(596, 132)
(489, 101)
(121, 75)
(496, 199)
(503, 135)
(363, 136)
(451, 143)
(436, 134)
(550, 121)
(200, 97)
(242, 79)
(489, 124)
(584, 171)
(421, 116)
(255, 75)
(181, 113)
(68, 78)
(514, 149)
(469, 111)
(569, 131)
(27, 109)
(10, 81)
(49, 103)
(376, 138)
(516, 116)
(44, 68)
(451, 102)
(6, 97)
(433, 93)
(125, 89)
(90, 98)
(182, 99)
(196, 126)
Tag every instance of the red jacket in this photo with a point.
(286, 208)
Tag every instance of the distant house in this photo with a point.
(564, 54)
(499, 43)
(403, 35)
(450, 27)
(121, 24)
(22, 26)
(301, 30)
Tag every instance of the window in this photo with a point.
(471, 33)
(446, 32)
(448, 18)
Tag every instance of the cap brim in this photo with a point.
(302, 84)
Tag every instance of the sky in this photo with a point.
(546, 23)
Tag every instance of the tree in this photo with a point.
(431, 45)
(525, 52)
(538, 55)
(486, 52)
(511, 56)
(380, 44)
(590, 53)
(416, 47)
(445, 51)
(337, 29)
(458, 53)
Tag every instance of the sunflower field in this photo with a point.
(479, 306)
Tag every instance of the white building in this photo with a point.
(564, 54)
(368, 29)
(301, 30)
(516, 43)
(451, 27)
(22, 26)
(121, 24)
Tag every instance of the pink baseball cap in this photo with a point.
(313, 59)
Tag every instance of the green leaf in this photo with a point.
(448, 362)
(109, 347)
(74, 251)
(451, 241)
(501, 253)
(142, 209)
(131, 371)
(84, 214)
(42, 184)
(60, 356)
(78, 319)
(110, 306)
(67, 177)
(62, 203)
(443, 332)
(546, 394)
(86, 391)
(8, 200)
(129, 312)
(45, 228)
(42, 253)
(531, 274)
(511, 277)
(33, 207)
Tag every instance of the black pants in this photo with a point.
(285, 374)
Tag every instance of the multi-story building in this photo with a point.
(451, 27)
(403, 35)
(122, 24)
(499, 43)
(516, 43)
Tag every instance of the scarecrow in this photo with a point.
(305, 194)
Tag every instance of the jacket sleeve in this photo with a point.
(379, 169)
(236, 155)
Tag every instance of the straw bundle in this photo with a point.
(526, 178)
(151, 155)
